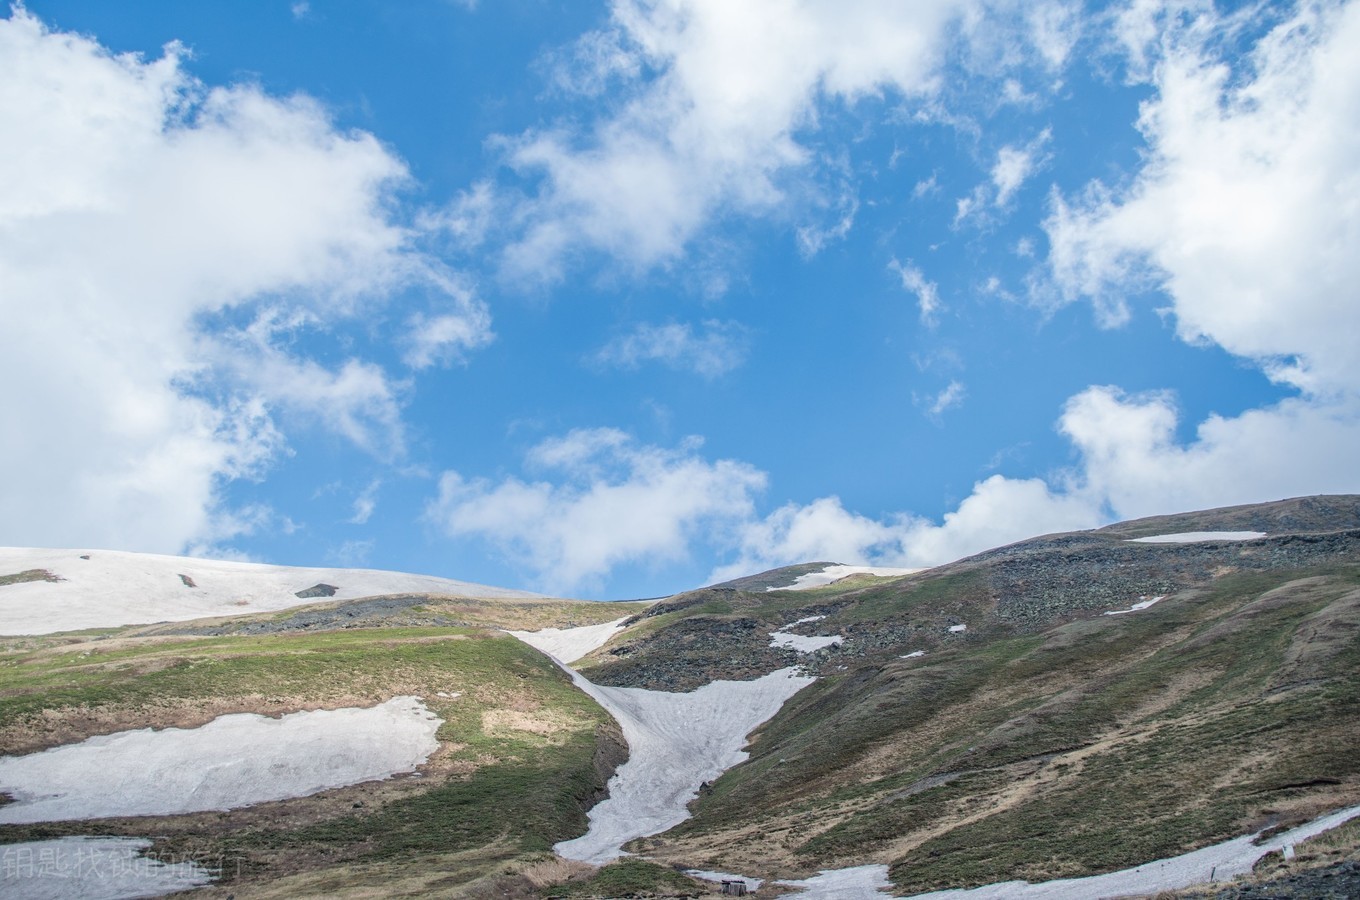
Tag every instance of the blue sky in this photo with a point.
(615, 299)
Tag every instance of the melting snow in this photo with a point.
(676, 742)
(233, 761)
(76, 868)
(856, 883)
(115, 588)
(1221, 862)
(803, 643)
(1140, 605)
(836, 573)
(570, 644)
(1190, 537)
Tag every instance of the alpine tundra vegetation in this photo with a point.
(610, 748)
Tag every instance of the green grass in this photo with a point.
(517, 789)
(1122, 728)
(630, 878)
(28, 575)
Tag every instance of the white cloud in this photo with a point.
(812, 238)
(949, 398)
(459, 324)
(1055, 29)
(366, 503)
(352, 554)
(1132, 460)
(605, 500)
(1130, 465)
(1246, 211)
(139, 206)
(999, 511)
(718, 349)
(1014, 165)
(927, 294)
(614, 502)
(718, 93)
(970, 205)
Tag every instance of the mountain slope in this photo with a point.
(1044, 738)
(1067, 705)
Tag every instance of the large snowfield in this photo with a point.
(114, 588)
(233, 761)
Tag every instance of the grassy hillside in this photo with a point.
(1047, 739)
(981, 721)
(522, 753)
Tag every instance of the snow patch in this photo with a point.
(77, 868)
(836, 573)
(1190, 537)
(1137, 607)
(570, 644)
(107, 588)
(1221, 862)
(803, 643)
(676, 742)
(235, 760)
(855, 883)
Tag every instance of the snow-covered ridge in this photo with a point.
(233, 761)
(836, 573)
(114, 587)
(1191, 537)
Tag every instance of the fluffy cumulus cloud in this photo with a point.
(1132, 461)
(714, 349)
(1246, 212)
(140, 205)
(1243, 214)
(1130, 464)
(999, 511)
(717, 97)
(602, 500)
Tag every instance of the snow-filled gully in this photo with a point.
(676, 742)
